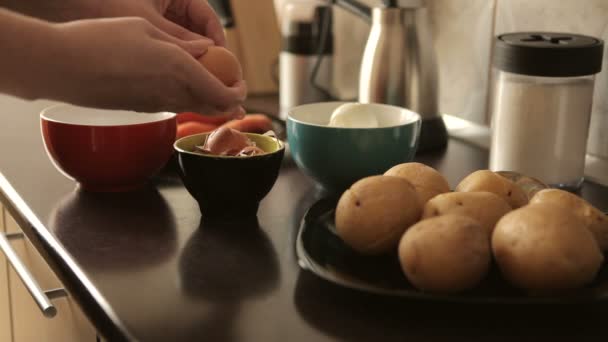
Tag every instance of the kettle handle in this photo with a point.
(355, 7)
(325, 17)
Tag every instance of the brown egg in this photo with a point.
(223, 64)
(226, 141)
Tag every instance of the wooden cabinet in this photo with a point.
(28, 322)
(5, 307)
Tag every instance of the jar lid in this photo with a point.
(548, 54)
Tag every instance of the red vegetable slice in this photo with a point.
(251, 123)
(202, 118)
(193, 127)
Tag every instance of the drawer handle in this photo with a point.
(41, 297)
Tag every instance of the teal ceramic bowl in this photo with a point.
(337, 157)
(227, 187)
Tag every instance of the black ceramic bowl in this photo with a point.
(229, 187)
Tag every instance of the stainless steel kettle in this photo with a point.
(399, 65)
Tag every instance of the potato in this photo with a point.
(486, 180)
(485, 207)
(543, 248)
(448, 253)
(427, 181)
(372, 215)
(595, 220)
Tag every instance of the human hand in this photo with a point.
(128, 63)
(184, 19)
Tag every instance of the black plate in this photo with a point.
(322, 252)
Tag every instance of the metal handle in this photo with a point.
(355, 7)
(41, 297)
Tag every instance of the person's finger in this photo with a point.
(213, 92)
(239, 89)
(204, 20)
(174, 29)
(239, 113)
(195, 48)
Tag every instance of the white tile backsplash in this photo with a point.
(463, 35)
(350, 36)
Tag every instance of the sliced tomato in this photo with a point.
(192, 127)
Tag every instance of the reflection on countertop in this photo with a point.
(227, 262)
(224, 264)
(113, 231)
(331, 309)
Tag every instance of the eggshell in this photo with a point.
(226, 141)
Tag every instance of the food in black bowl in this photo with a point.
(218, 171)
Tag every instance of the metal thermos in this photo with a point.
(306, 55)
(399, 65)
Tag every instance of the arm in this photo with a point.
(23, 42)
(109, 63)
(54, 10)
(184, 19)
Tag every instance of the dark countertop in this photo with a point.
(143, 266)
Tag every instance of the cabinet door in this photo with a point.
(5, 318)
(29, 325)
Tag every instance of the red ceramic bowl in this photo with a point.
(107, 150)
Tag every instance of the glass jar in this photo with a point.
(542, 92)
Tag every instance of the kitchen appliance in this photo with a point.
(306, 54)
(398, 65)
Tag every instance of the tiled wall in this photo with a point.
(463, 31)
(463, 37)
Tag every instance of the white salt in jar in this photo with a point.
(542, 91)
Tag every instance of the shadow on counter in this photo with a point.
(228, 262)
(352, 315)
(223, 264)
(115, 231)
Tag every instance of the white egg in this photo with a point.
(353, 115)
